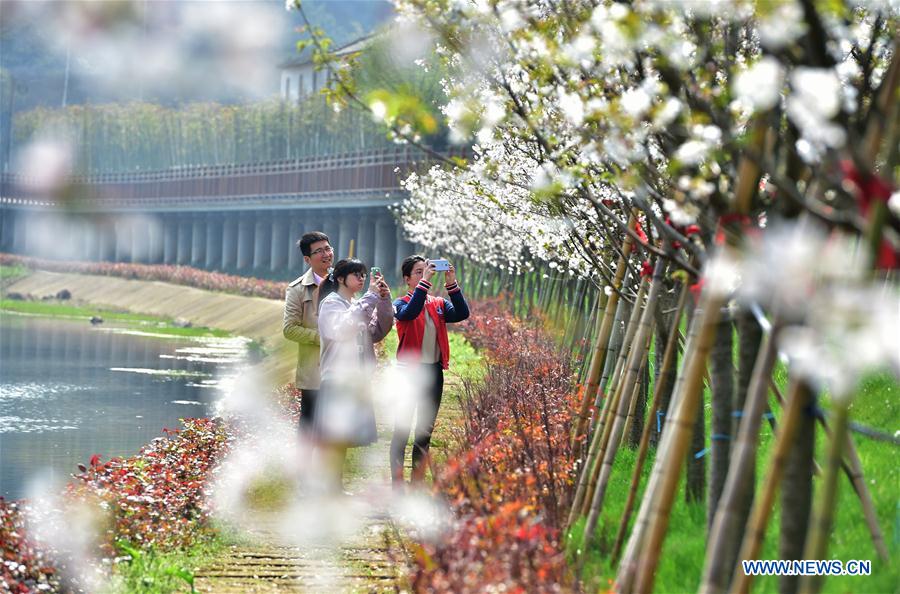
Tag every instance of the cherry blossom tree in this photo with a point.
(732, 143)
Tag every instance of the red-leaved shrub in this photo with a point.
(155, 498)
(24, 567)
(510, 482)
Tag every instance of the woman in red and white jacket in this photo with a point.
(422, 329)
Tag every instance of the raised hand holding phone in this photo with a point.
(384, 291)
(429, 271)
(450, 275)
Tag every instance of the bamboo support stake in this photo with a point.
(596, 436)
(628, 567)
(854, 472)
(592, 326)
(583, 477)
(612, 386)
(672, 457)
(820, 527)
(798, 400)
(603, 335)
(637, 356)
(667, 362)
(604, 424)
(595, 506)
(635, 396)
(593, 437)
(612, 355)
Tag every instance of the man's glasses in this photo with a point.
(322, 250)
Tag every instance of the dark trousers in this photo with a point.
(308, 408)
(425, 417)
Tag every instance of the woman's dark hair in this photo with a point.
(342, 269)
(408, 263)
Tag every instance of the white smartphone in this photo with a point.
(440, 264)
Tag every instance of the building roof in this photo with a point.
(305, 57)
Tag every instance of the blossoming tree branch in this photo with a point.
(732, 163)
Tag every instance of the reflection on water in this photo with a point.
(69, 390)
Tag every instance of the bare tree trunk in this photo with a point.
(695, 461)
(796, 498)
(694, 467)
(640, 408)
(721, 366)
(755, 363)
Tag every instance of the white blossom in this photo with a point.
(572, 106)
(667, 114)
(635, 102)
(379, 110)
(782, 25)
(894, 204)
(581, 49)
(692, 152)
(760, 85)
(814, 100)
(511, 19)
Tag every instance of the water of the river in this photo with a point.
(69, 390)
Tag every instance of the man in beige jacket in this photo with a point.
(301, 319)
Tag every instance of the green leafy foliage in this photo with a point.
(144, 136)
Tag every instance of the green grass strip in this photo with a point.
(154, 324)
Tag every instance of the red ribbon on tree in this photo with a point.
(640, 233)
(865, 187)
(646, 268)
(697, 288)
(869, 189)
(727, 219)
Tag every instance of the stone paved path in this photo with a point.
(369, 560)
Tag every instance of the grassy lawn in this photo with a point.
(67, 309)
(878, 405)
(11, 273)
(152, 572)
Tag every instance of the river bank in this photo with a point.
(256, 318)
